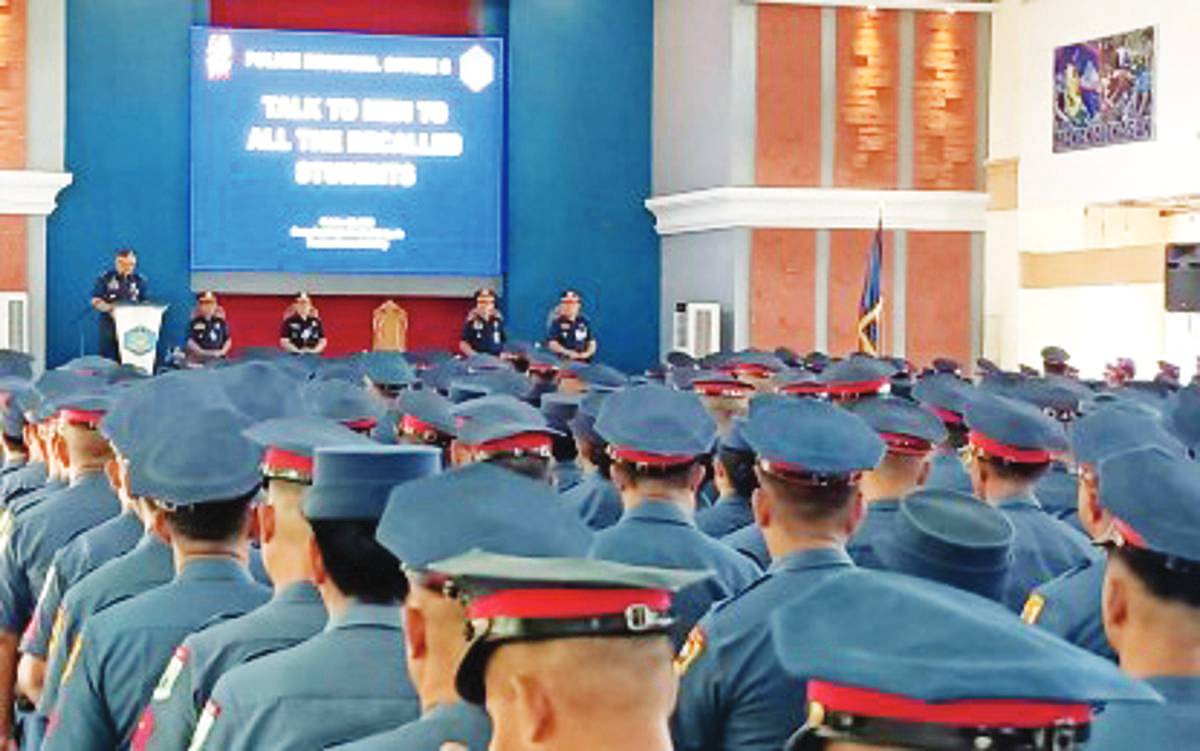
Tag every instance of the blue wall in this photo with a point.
(579, 164)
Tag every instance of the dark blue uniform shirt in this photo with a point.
(881, 515)
(1174, 725)
(1069, 607)
(455, 726)
(112, 287)
(596, 500)
(209, 334)
(726, 516)
(749, 541)
(1058, 492)
(485, 335)
(946, 472)
(1043, 548)
(303, 333)
(573, 335)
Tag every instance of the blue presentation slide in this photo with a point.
(346, 154)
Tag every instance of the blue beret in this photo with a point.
(904, 426)
(500, 418)
(1155, 496)
(1013, 430)
(429, 407)
(652, 423)
(353, 482)
(953, 538)
(15, 364)
(388, 369)
(291, 444)
(943, 646)
(947, 394)
(812, 437)
(201, 459)
(493, 509)
(1116, 428)
(342, 402)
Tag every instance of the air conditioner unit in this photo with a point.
(14, 321)
(697, 328)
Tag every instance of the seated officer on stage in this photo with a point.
(483, 331)
(570, 333)
(121, 284)
(910, 433)
(1012, 446)
(568, 654)
(953, 672)
(204, 475)
(349, 681)
(734, 695)
(294, 614)
(657, 438)
(1152, 596)
(495, 511)
(208, 332)
(302, 331)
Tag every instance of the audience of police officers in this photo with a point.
(518, 548)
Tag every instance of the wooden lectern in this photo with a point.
(389, 328)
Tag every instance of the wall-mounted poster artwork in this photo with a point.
(1104, 91)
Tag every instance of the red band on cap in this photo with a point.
(854, 388)
(946, 416)
(278, 460)
(720, 388)
(1011, 453)
(992, 713)
(568, 375)
(644, 457)
(905, 444)
(365, 423)
(81, 416)
(799, 472)
(566, 603)
(542, 367)
(415, 426)
(803, 388)
(1131, 536)
(522, 442)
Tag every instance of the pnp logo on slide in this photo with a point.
(218, 58)
(477, 69)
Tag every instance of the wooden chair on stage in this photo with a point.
(389, 327)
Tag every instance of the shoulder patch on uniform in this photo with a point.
(1033, 608)
(692, 649)
(166, 683)
(208, 718)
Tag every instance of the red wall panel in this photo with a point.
(447, 17)
(433, 323)
(782, 284)
(939, 296)
(789, 96)
(868, 112)
(944, 102)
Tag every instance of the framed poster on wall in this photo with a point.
(1104, 91)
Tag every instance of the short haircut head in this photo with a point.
(222, 521)
(675, 475)
(739, 468)
(1161, 577)
(527, 465)
(358, 565)
(1018, 472)
(806, 501)
(125, 253)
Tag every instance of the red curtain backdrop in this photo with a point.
(432, 322)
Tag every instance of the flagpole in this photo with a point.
(882, 329)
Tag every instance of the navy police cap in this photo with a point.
(505, 424)
(1116, 428)
(655, 425)
(906, 427)
(946, 394)
(425, 410)
(290, 444)
(353, 482)
(807, 438)
(1155, 497)
(1013, 431)
(342, 402)
(388, 369)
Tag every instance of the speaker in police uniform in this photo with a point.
(120, 284)
(483, 331)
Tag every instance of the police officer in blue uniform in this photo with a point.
(954, 672)
(559, 409)
(360, 686)
(208, 331)
(1152, 596)
(951, 538)
(910, 433)
(570, 334)
(1070, 605)
(204, 475)
(121, 284)
(735, 481)
(507, 432)
(1012, 445)
(594, 498)
(483, 331)
(495, 511)
(656, 437)
(426, 419)
(302, 331)
(12, 426)
(585, 640)
(295, 612)
(734, 695)
(947, 395)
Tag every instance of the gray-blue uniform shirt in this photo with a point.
(346, 683)
(881, 515)
(1058, 492)
(23, 480)
(1069, 607)
(1174, 725)
(566, 475)
(466, 725)
(39, 533)
(733, 694)
(1043, 548)
(725, 517)
(657, 533)
(121, 652)
(946, 472)
(292, 616)
(749, 542)
(596, 500)
(150, 564)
